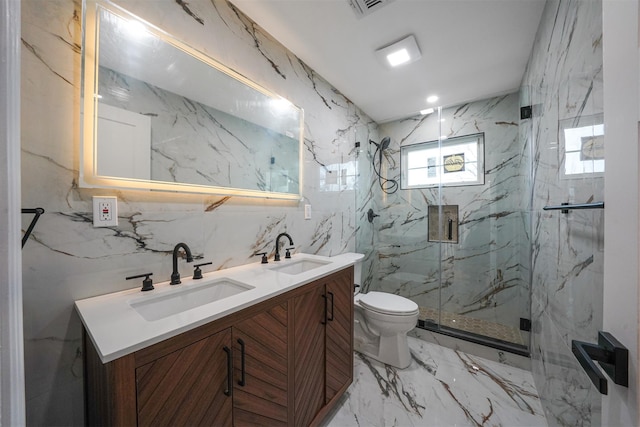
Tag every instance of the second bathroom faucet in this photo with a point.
(277, 255)
(175, 275)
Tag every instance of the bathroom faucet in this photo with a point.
(175, 275)
(277, 256)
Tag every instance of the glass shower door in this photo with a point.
(485, 286)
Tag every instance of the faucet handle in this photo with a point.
(264, 257)
(287, 254)
(197, 273)
(147, 283)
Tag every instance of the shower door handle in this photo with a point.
(611, 355)
(450, 229)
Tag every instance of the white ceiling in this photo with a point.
(471, 49)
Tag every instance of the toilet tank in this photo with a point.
(357, 266)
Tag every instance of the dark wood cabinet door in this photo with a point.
(309, 354)
(262, 398)
(187, 387)
(339, 333)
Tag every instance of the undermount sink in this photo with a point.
(195, 295)
(299, 266)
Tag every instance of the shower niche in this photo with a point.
(443, 223)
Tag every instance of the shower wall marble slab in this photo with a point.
(564, 78)
(67, 259)
(481, 276)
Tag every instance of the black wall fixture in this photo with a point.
(371, 215)
(37, 212)
(610, 354)
(565, 207)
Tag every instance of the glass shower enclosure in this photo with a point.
(444, 218)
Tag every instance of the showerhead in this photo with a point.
(384, 144)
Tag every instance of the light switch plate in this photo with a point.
(105, 211)
(307, 211)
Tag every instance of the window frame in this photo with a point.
(438, 145)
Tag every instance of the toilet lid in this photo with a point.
(386, 303)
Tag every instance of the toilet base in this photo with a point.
(391, 350)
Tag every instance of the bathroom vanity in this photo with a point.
(280, 352)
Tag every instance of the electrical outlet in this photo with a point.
(105, 211)
(307, 211)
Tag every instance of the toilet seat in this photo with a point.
(385, 303)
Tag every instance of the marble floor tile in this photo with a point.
(441, 387)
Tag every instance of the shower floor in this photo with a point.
(470, 324)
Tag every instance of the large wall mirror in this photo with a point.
(160, 115)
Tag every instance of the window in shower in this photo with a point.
(582, 143)
(451, 162)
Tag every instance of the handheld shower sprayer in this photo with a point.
(389, 186)
(384, 144)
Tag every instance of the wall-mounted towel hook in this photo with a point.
(37, 212)
(371, 215)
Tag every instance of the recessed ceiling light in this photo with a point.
(398, 57)
(401, 52)
(432, 99)
(427, 111)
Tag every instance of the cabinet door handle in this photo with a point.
(331, 295)
(242, 381)
(324, 321)
(227, 350)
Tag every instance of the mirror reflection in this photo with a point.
(166, 114)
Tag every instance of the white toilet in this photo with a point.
(382, 321)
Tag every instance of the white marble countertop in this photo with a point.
(117, 329)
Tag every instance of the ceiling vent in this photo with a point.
(365, 7)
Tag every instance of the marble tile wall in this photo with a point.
(67, 259)
(564, 78)
(481, 276)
